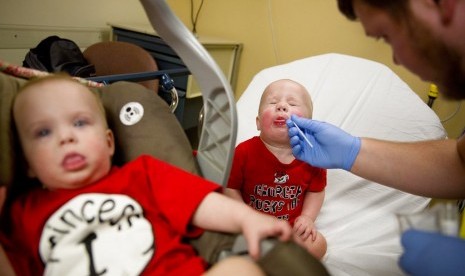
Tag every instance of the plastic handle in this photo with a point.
(218, 138)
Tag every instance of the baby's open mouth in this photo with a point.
(73, 161)
(280, 121)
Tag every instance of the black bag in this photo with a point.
(55, 54)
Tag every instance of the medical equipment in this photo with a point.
(432, 94)
(303, 135)
(441, 218)
(366, 99)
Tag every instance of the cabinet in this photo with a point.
(225, 53)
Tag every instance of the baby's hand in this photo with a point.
(304, 227)
(258, 226)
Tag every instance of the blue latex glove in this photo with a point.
(332, 148)
(427, 253)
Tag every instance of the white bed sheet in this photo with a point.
(366, 99)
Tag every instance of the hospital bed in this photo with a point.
(365, 98)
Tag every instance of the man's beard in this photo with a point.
(444, 61)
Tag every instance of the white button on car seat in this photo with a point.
(131, 113)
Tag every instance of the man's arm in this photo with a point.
(429, 168)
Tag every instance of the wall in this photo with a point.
(272, 32)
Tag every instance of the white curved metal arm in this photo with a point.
(217, 141)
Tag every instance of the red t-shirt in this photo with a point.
(270, 186)
(129, 223)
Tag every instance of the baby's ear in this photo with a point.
(111, 141)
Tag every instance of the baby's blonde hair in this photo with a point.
(309, 101)
(61, 77)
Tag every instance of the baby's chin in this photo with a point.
(72, 181)
(281, 139)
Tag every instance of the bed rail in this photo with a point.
(218, 136)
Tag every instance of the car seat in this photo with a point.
(117, 57)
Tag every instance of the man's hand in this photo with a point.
(332, 148)
(428, 253)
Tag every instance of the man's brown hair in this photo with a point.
(396, 8)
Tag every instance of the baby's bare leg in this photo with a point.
(315, 247)
(235, 265)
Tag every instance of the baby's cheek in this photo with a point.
(266, 120)
(299, 114)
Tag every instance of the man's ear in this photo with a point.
(446, 9)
